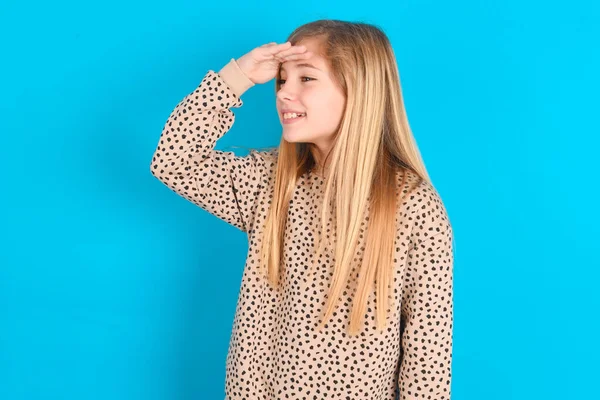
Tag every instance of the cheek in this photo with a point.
(320, 102)
(327, 107)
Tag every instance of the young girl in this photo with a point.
(347, 288)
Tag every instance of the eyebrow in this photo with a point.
(308, 65)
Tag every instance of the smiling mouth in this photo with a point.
(292, 120)
(296, 118)
(293, 115)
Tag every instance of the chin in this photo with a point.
(293, 137)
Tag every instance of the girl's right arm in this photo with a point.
(185, 160)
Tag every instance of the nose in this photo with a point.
(287, 92)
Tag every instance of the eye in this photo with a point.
(282, 81)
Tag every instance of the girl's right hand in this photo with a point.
(262, 63)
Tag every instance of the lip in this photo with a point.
(291, 121)
(287, 110)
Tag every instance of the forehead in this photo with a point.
(315, 62)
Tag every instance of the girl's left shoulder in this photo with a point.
(422, 204)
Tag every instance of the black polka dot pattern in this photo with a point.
(275, 351)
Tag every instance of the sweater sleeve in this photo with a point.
(427, 306)
(185, 160)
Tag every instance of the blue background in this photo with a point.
(113, 287)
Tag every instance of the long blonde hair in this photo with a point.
(373, 143)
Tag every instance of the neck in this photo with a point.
(319, 158)
(320, 170)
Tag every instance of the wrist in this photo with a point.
(237, 80)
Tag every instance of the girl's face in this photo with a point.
(307, 87)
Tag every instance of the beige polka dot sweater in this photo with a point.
(275, 352)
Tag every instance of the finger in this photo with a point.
(279, 58)
(296, 56)
(299, 53)
(277, 48)
(293, 50)
(269, 44)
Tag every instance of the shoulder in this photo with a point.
(265, 158)
(266, 155)
(422, 207)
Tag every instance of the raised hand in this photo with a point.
(262, 63)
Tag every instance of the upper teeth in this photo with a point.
(293, 115)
